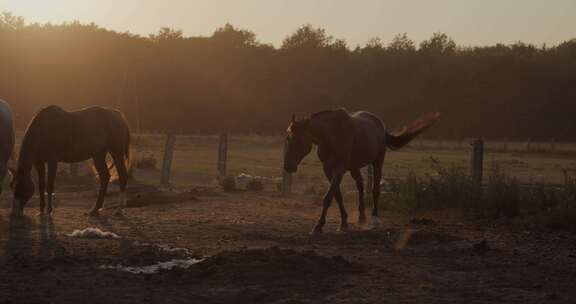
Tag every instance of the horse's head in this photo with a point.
(298, 144)
(23, 189)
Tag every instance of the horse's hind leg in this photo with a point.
(343, 213)
(357, 176)
(41, 169)
(120, 163)
(52, 169)
(104, 177)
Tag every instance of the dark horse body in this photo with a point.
(55, 135)
(6, 139)
(347, 142)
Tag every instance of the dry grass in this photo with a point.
(196, 156)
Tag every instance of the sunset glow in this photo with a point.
(469, 23)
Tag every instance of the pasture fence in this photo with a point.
(168, 157)
(222, 155)
(477, 160)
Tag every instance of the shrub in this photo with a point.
(147, 161)
(449, 187)
(255, 184)
(228, 183)
(501, 197)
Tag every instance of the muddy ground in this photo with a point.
(256, 249)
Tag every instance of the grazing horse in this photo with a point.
(347, 142)
(6, 139)
(55, 135)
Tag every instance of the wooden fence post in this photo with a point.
(167, 161)
(222, 154)
(369, 194)
(477, 160)
(286, 177)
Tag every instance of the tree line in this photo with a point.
(231, 81)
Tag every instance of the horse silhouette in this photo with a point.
(347, 142)
(55, 135)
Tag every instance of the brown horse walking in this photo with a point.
(55, 135)
(347, 142)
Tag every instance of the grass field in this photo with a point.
(196, 156)
(195, 159)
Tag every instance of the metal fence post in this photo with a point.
(167, 161)
(222, 154)
(477, 160)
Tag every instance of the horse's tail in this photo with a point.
(405, 135)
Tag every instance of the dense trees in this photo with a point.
(232, 81)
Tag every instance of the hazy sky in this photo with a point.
(468, 22)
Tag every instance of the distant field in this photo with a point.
(196, 158)
(196, 155)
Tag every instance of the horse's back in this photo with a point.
(72, 136)
(370, 137)
(369, 123)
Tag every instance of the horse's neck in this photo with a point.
(26, 157)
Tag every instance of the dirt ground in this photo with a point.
(256, 249)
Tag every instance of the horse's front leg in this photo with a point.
(52, 169)
(334, 188)
(41, 169)
(343, 214)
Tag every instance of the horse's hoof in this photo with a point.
(93, 213)
(316, 231)
(119, 213)
(343, 228)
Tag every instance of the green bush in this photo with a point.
(500, 197)
(448, 188)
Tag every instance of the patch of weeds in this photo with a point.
(228, 183)
(447, 188)
(501, 196)
(255, 184)
(146, 161)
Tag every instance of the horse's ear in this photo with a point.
(293, 117)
